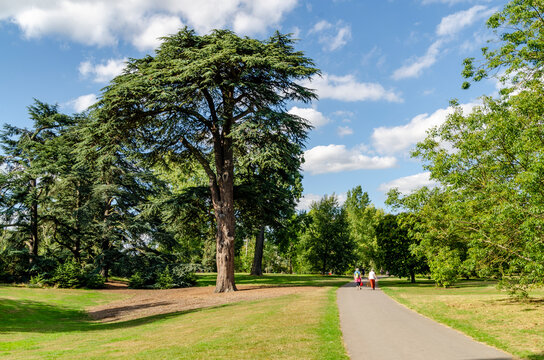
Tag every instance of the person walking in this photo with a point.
(357, 278)
(372, 279)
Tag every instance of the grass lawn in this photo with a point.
(52, 324)
(478, 309)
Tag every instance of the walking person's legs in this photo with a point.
(372, 283)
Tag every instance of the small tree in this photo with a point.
(327, 243)
(394, 247)
(30, 164)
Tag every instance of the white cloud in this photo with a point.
(103, 72)
(332, 37)
(448, 27)
(416, 67)
(390, 140)
(347, 88)
(335, 158)
(83, 102)
(320, 26)
(410, 183)
(452, 24)
(156, 27)
(307, 200)
(314, 117)
(344, 130)
(140, 22)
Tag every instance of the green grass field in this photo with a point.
(478, 309)
(52, 324)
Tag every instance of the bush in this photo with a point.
(445, 267)
(183, 275)
(136, 281)
(164, 277)
(94, 281)
(72, 275)
(14, 265)
(39, 280)
(68, 275)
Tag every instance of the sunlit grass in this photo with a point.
(478, 309)
(52, 324)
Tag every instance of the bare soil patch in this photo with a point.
(143, 303)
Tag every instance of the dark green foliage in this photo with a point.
(395, 247)
(73, 275)
(326, 241)
(163, 276)
(14, 265)
(213, 99)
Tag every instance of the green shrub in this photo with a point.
(136, 281)
(445, 267)
(39, 280)
(73, 275)
(183, 275)
(68, 275)
(164, 279)
(94, 281)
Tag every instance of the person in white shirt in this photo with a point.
(372, 279)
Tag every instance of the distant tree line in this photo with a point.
(190, 162)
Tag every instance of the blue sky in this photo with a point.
(389, 69)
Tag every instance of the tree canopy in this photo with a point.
(203, 98)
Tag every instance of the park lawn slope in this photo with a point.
(479, 310)
(52, 323)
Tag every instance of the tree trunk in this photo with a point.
(33, 248)
(257, 267)
(223, 202)
(412, 277)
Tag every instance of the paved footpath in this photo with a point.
(375, 327)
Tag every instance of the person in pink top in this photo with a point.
(372, 279)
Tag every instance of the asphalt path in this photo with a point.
(375, 327)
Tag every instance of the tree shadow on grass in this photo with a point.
(536, 356)
(39, 317)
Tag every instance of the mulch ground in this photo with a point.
(143, 303)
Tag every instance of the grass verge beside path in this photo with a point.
(52, 324)
(479, 310)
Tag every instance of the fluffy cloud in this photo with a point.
(347, 88)
(344, 130)
(416, 67)
(332, 37)
(102, 72)
(307, 200)
(452, 24)
(410, 183)
(83, 102)
(314, 117)
(140, 22)
(156, 27)
(389, 140)
(335, 158)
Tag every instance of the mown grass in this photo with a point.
(52, 324)
(481, 311)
